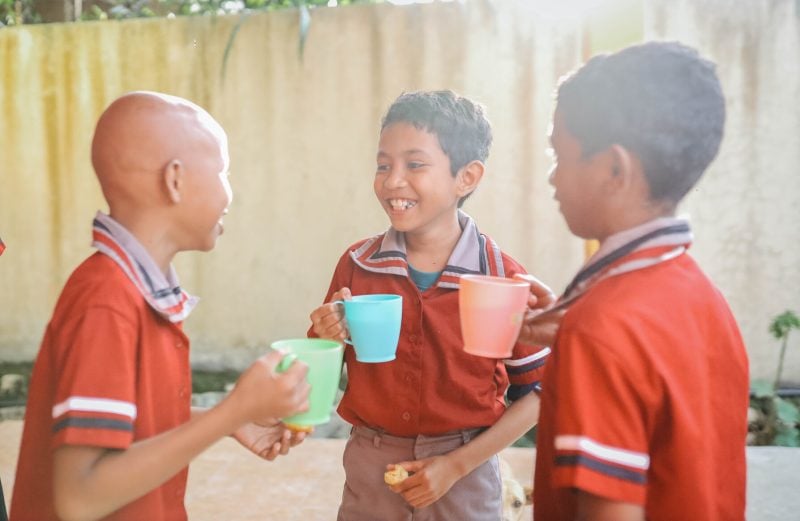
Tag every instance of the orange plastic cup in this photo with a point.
(491, 311)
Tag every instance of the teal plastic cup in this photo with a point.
(374, 324)
(324, 361)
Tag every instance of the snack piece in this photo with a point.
(395, 476)
(299, 428)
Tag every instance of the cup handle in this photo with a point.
(346, 340)
(286, 362)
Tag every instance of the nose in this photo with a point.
(551, 175)
(226, 185)
(395, 179)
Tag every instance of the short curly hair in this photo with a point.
(659, 100)
(459, 123)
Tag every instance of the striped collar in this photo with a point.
(474, 253)
(658, 233)
(161, 292)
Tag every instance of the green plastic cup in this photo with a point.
(324, 361)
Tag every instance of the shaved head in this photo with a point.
(140, 133)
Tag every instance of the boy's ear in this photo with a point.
(623, 167)
(469, 176)
(173, 180)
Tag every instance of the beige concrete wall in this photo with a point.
(746, 209)
(303, 136)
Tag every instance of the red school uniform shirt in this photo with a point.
(433, 386)
(644, 399)
(110, 371)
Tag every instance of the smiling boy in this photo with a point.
(435, 410)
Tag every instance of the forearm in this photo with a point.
(518, 419)
(596, 508)
(90, 483)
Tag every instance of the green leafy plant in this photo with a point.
(120, 9)
(774, 420)
(780, 328)
(304, 26)
(17, 12)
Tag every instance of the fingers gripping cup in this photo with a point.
(324, 361)
(374, 324)
(491, 311)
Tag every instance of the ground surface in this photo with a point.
(229, 483)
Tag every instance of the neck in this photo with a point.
(428, 250)
(150, 234)
(631, 217)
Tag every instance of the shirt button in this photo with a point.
(179, 344)
(406, 416)
(412, 338)
(182, 392)
(408, 378)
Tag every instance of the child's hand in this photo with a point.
(539, 326)
(268, 441)
(261, 393)
(429, 480)
(328, 319)
(541, 297)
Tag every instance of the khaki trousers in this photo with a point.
(476, 497)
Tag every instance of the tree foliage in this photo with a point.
(17, 12)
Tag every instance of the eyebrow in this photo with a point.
(411, 151)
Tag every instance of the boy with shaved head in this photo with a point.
(109, 429)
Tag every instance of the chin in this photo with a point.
(401, 226)
(209, 244)
(206, 247)
(403, 222)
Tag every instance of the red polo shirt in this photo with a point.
(645, 398)
(109, 372)
(433, 386)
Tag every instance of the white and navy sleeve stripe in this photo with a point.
(615, 462)
(518, 370)
(93, 413)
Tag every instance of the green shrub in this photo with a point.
(772, 419)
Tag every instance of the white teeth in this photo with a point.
(401, 204)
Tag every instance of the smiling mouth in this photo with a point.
(401, 204)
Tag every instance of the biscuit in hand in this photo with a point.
(395, 476)
(299, 428)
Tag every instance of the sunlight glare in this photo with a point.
(566, 9)
(409, 2)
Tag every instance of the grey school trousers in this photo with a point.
(475, 497)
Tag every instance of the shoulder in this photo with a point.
(98, 282)
(365, 242)
(362, 247)
(359, 249)
(643, 306)
(98, 274)
(510, 265)
(672, 284)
